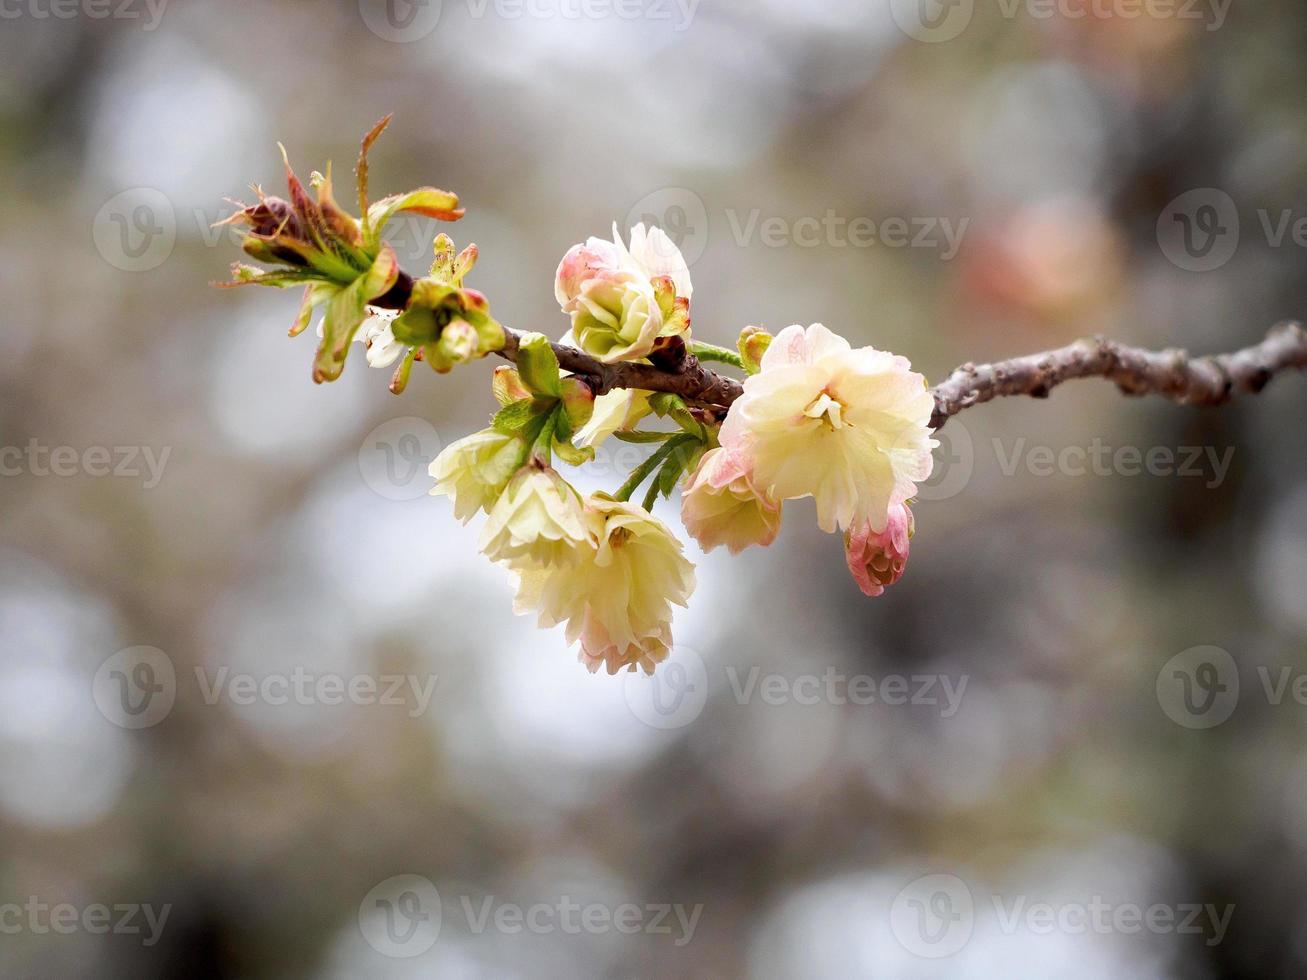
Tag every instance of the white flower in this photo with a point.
(621, 299)
(616, 598)
(850, 428)
(654, 255)
(537, 519)
(383, 348)
(617, 411)
(474, 471)
(375, 333)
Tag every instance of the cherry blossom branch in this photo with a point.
(676, 370)
(1171, 373)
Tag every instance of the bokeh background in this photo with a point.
(189, 524)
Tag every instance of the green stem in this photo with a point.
(651, 496)
(643, 436)
(541, 450)
(645, 469)
(711, 352)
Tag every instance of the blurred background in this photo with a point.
(266, 713)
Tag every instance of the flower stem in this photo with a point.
(541, 450)
(645, 469)
(711, 352)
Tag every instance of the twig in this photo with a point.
(1171, 373)
(1211, 380)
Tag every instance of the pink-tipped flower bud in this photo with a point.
(877, 558)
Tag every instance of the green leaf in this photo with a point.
(520, 415)
(562, 423)
(346, 311)
(428, 201)
(248, 275)
(664, 403)
(315, 295)
(671, 472)
(538, 366)
(572, 455)
(643, 436)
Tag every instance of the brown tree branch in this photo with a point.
(1211, 380)
(1171, 373)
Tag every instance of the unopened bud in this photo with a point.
(753, 343)
(877, 559)
(578, 401)
(506, 385)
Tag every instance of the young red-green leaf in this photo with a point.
(346, 311)
(429, 201)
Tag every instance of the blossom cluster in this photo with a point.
(817, 417)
